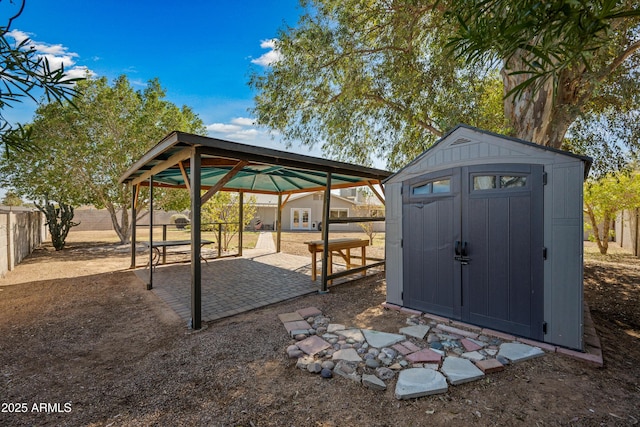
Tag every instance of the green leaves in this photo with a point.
(369, 79)
(26, 74)
(81, 151)
(547, 37)
(605, 197)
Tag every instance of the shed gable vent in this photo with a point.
(460, 141)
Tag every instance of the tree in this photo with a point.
(24, 73)
(223, 208)
(81, 151)
(11, 199)
(368, 78)
(368, 209)
(557, 57)
(604, 198)
(611, 138)
(381, 77)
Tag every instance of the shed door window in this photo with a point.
(512, 181)
(492, 182)
(432, 187)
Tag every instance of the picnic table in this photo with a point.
(164, 244)
(338, 246)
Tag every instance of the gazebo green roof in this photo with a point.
(255, 169)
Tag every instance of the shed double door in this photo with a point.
(473, 246)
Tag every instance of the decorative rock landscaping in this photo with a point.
(425, 355)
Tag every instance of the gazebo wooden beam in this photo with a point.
(220, 184)
(183, 171)
(372, 188)
(181, 155)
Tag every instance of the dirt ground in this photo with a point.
(81, 335)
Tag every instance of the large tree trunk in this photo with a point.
(122, 228)
(602, 241)
(542, 114)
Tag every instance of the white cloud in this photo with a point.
(56, 54)
(239, 129)
(80, 71)
(270, 57)
(268, 44)
(224, 128)
(18, 35)
(243, 121)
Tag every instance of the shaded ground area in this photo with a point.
(114, 352)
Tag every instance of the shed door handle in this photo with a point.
(461, 250)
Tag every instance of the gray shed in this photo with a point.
(487, 230)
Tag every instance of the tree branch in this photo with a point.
(401, 110)
(620, 59)
(10, 21)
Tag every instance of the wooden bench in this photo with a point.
(338, 246)
(164, 244)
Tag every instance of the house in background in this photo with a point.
(303, 212)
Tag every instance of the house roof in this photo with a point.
(257, 169)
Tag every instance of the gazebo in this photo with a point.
(198, 163)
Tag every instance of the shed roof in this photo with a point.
(461, 134)
(259, 170)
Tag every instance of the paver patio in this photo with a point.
(235, 285)
(231, 286)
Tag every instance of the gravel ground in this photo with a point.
(83, 341)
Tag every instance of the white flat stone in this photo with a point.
(348, 354)
(373, 382)
(416, 331)
(473, 355)
(381, 339)
(354, 334)
(518, 352)
(333, 327)
(417, 382)
(460, 371)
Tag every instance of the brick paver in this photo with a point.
(235, 285)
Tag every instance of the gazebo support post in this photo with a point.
(325, 236)
(241, 224)
(134, 198)
(196, 239)
(279, 224)
(150, 283)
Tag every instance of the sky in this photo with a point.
(202, 51)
